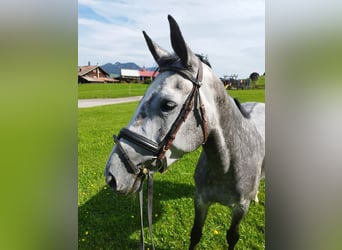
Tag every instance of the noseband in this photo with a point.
(158, 161)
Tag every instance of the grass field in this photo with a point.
(111, 221)
(106, 90)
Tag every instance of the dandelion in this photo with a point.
(105, 187)
(86, 232)
(216, 232)
(83, 239)
(132, 216)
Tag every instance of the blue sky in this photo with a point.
(231, 33)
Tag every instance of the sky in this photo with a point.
(231, 32)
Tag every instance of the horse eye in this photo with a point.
(167, 105)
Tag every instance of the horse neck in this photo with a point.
(227, 126)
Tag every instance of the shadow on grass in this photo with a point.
(112, 221)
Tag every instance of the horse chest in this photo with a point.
(217, 187)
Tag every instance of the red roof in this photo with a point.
(147, 73)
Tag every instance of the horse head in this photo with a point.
(169, 121)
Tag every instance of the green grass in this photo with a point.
(246, 95)
(106, 90)
(111, 221)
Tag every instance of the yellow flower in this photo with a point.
(86, 232)
(216, 232)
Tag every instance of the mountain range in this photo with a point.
(115, 68)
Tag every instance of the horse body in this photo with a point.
(229, 159)
(233, 136)
(230, 166)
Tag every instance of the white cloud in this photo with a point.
(231, 32)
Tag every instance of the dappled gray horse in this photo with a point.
(185, 107)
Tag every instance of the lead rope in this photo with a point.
(149, 210)
(142, 245)
(149, 175)
(149, 203)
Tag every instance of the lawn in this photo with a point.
(110, 90)
(106, 90)
(111, 221)
(257, 95)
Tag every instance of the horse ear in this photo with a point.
(156, 50)
(178, 43)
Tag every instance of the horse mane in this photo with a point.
(203, 59)
(243, 111)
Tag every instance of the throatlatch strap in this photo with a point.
(204, 119)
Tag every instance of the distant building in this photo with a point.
(130, 75)
(147, 74)
(93, 74)
(137, 75)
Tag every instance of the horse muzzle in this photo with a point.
(117, 185)
(120, 176)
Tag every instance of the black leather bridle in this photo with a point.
(158, 150)
(158, 161)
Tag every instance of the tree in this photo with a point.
(254, 77)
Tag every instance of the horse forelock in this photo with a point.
(173, 61)
(170, 61)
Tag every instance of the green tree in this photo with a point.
(254, 78)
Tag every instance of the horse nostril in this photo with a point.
(111, 181)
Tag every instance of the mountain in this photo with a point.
(115, 68)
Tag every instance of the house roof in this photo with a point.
(82, 70)
(147, 73)
(130, 72)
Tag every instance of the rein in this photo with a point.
(158, 161)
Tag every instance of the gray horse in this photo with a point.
(186, 107)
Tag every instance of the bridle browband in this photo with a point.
(158, 150)
(158, 161)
